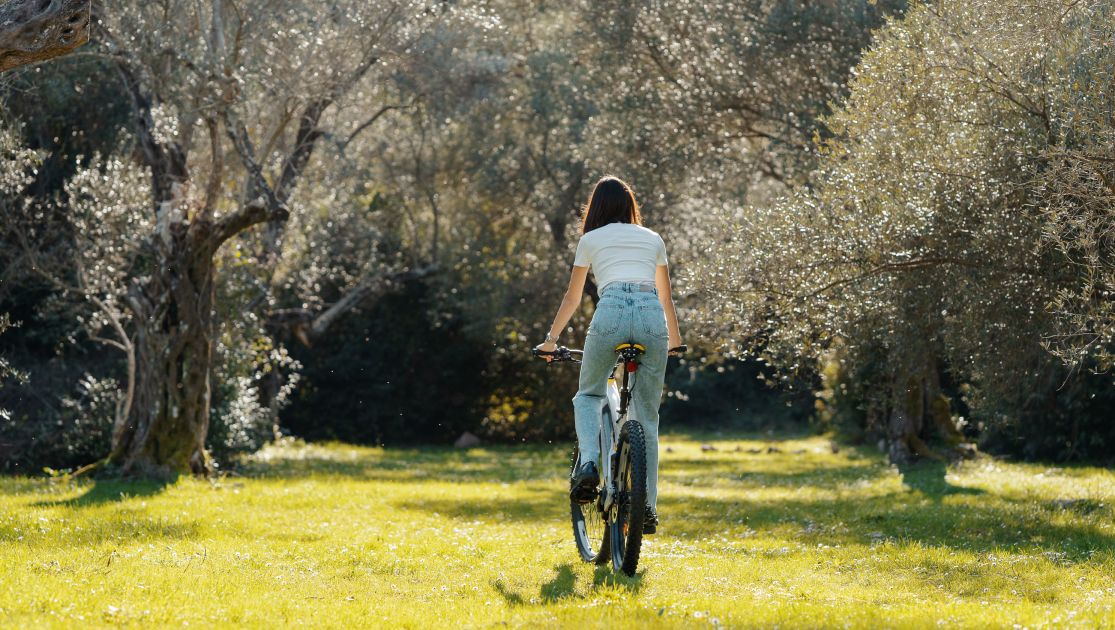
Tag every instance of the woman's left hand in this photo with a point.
(547, 347)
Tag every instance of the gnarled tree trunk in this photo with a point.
(920, 412)
(37, 30)
(173, 303)
(175, 338)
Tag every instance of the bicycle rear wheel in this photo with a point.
(629, 509)
(589, 526)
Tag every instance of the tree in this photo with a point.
(194, 74)
(81, 252)
(1078, 190)
(37, 30)
(16, 165)
(728, 95)
(921, 247)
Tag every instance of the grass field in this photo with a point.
(756, 533)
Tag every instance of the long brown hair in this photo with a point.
(611, 202)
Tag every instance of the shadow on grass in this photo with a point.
(822, 498)
(544, 506)
(928, 511)
(563, 585)
(977, 523)
(603, 576)
(511, 597)
(697, 472)
(711, 436)
(108, 491)
(928, 477)
(482, 465)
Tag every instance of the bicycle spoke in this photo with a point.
(589, 527)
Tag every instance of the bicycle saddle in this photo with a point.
(634, 348)
(629, 354)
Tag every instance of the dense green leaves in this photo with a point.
(923, 238)
(944, 208)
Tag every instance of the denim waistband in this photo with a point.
(629, 287)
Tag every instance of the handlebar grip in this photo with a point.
(559, 354)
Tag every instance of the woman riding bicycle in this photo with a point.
(628, 263)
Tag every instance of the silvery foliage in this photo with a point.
(108, 206)
(17, 165)
(17, 168)
(719, 100)
(242, 422)
(90, 412)
(277, 59)
(922, 237)
(6, 369)
(1077, 187)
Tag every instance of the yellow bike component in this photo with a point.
(638, 346)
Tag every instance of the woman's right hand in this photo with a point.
(673, 341)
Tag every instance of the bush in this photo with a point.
(399, 372)
(741, 395)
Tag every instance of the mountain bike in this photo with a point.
(609, 526)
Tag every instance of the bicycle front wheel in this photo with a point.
(589, 525)
(629, 509)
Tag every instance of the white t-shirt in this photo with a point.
(622, 252)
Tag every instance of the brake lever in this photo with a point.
(556, 356)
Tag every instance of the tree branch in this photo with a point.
(37, 30)
(216, 168)
(368, 123)
(307, 326)
(254, 212)
(304, 141)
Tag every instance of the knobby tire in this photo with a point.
(626, 518)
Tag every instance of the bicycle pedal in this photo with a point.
(584, 495)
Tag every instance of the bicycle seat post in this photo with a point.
(628, 354)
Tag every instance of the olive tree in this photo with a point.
(727, 95)
(16, 165)
(81, 249)
(231, 104)
(1077, 187)
(920, 248)
(37, 30)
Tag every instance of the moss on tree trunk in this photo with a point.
(919, 423)
(166, 431)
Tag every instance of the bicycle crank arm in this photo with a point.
(609, 497)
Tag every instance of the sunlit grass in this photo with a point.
(755, 533)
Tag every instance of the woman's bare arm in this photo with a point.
(568, 306)
(666, 297)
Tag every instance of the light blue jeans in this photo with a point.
(623, 314)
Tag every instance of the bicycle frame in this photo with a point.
(612, 417)
(623, 472)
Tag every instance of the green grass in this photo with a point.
(339, 536)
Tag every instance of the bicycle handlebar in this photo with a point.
(563, 354)
(560, 354)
